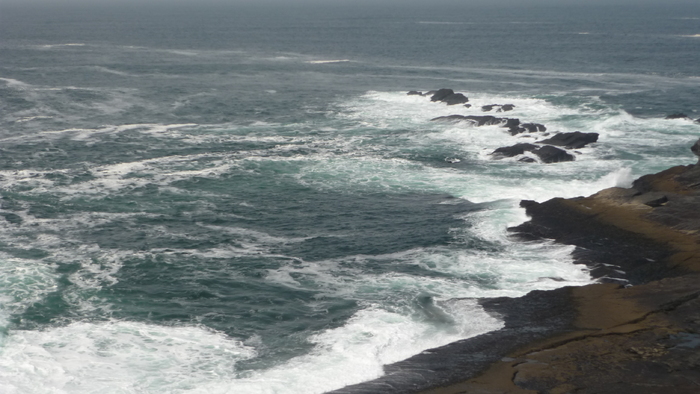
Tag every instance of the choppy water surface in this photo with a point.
(238, 200)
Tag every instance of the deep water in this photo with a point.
(244, 199)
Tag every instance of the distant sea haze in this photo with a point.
(242, 198)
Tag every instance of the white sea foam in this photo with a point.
(111, 178)
(117, 357)
(127, 357)
(30, 118)
(506, 178)
(14, 83)
(112, 71)
(371, 338)
(328, 61)
(70, 44)
(22, 283)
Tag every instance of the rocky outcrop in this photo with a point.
(608, 337)
(546, 154)
(550, 154)
(677, 115)
(519, 128)
(454, 99)
(514, 150)
(533, 127)
(646, 337)
(449, 97)
(575, 140)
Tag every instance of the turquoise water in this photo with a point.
(241, 199)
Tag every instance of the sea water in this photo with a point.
(244, 199)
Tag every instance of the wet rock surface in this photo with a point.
(575, 140)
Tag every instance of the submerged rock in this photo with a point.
(415, 93)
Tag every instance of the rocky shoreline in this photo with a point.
(637, 331)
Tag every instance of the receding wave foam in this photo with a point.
(122, 357)
(370, 339)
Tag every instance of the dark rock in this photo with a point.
(677, 115)
(517, 149)
(528, 203)
(441, 94)
(547, 153)
(696, 148)
(608, 250)
(516, 130)
(512, 124)
(415, 93)
(454, 99)
(527, 160)
(449, 118)
(467, 105)
(504, 107)
(653, 199)
(573, 140)
(486, 120)
(447, 96)
(533, 127)
(551, 154)
(535, 316)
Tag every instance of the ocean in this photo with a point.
(244, 199)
